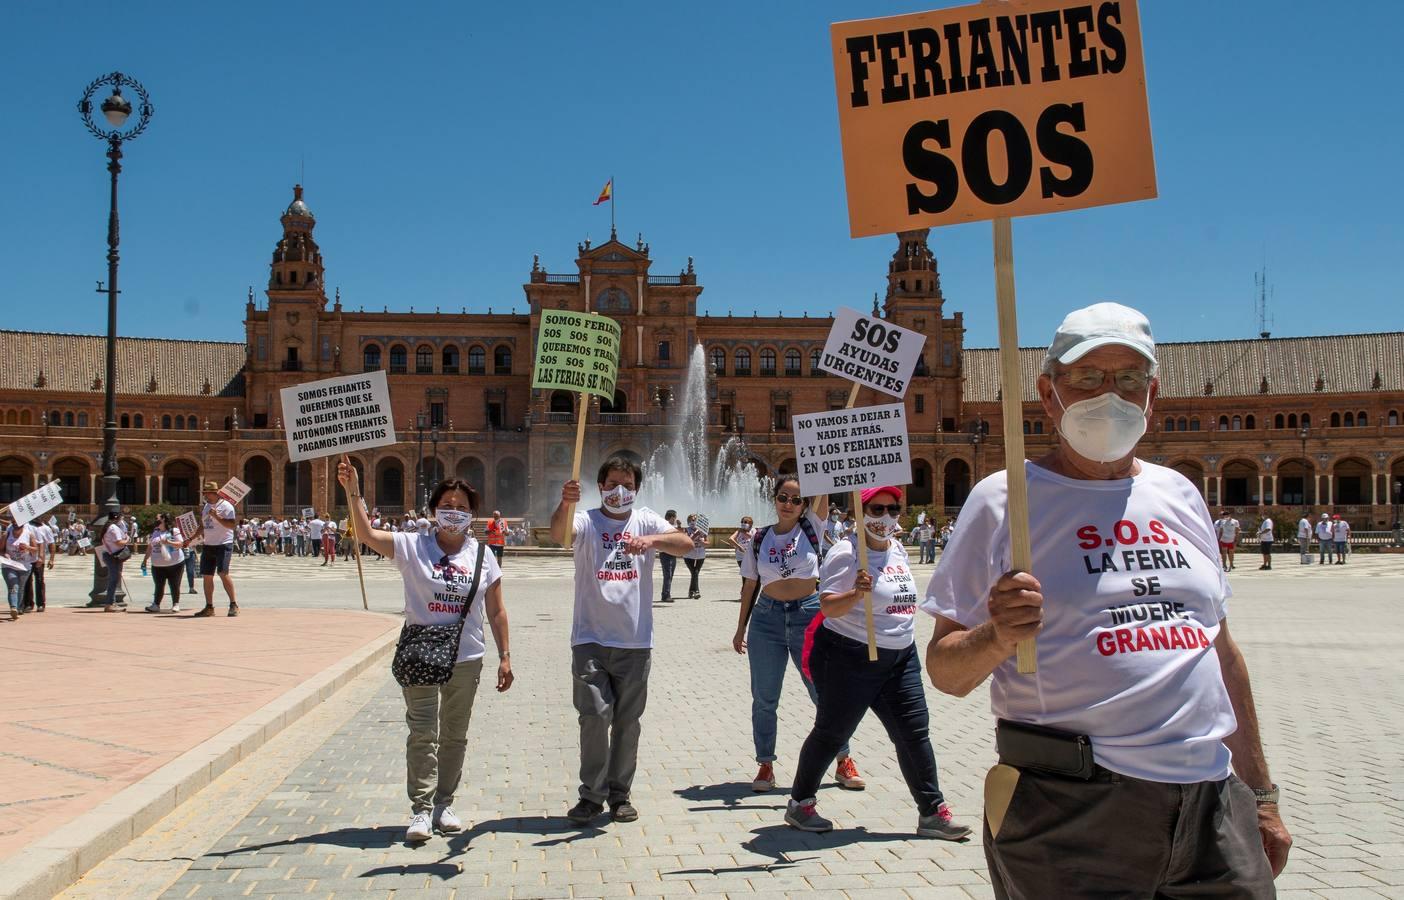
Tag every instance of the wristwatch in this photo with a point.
(1266, 796)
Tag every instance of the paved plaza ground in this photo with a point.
(320, 809)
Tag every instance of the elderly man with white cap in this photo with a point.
(1130, 763)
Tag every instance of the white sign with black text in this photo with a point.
(35, 504)
(851, 449)
(872, 352)
(337, 415)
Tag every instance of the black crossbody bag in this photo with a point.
(1043, 749)
(425, 654)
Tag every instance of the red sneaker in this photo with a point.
(764, 780)
(847, 774)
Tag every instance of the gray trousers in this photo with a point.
(610, 693)
(1121, 837)
(438, 716)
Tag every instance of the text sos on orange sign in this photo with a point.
(992, 110)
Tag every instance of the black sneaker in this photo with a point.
(582, 812)
(623, 811)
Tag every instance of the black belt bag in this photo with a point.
(1047, 750)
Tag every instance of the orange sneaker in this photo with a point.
(764, 780)
(847, 774)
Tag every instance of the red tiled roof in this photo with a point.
(71, 362)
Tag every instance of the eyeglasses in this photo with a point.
(891, 509)
(1129, 381)
(787, 499)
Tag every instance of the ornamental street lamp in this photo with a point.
(116, 109)
(421, 422)
(434, 473)
(1398, 526)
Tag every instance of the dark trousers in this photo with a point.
(497, 552)
(1116, 836)
(848, 686)
(34, 596)
(694, 568)
(190, 564)
(669, 563)
(167, 575)
(610, 691)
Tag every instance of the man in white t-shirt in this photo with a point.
(1304, 538)
(1340, 533)
(217, 523)
(1325, 540)
(611, 637)
(1266, 538)
(46, 548)
(1227, 528)
(1141, 710)
(314, 535)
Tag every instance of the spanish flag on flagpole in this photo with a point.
(607, 194)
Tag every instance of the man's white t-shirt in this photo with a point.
(1265, 532)
(1132, 596)
(614, 589)
(1227, 529)
(20, 534)
(789, 555)
(436, 586)
(1340, 530)
(44, 536)
(1304, 530)
(314, 528)
(894, 594)
(1323, 530)
(114, 532)
(215, 532)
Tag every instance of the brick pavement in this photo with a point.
(1321, 642)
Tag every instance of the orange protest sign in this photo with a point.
(990, 111)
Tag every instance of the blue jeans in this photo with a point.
(190, 569)
(774, 637)
(14, 585)
(928, 551)
(114, 576)
(669, 563)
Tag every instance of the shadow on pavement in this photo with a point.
(567, 831)
(780, 842)
(729, 794)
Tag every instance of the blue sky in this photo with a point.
(445, 143)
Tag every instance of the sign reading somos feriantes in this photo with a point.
(337, 415)
(991, 111)
(868, 350)
(577, 352)
(851, 449)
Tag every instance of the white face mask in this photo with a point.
(1104, 428)
(619, 500)
(453, 521)
(881, 527)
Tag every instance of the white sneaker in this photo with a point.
(419, 828)
(175, 607)
(445, 820)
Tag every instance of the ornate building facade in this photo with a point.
(1256, 424)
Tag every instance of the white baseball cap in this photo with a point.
(1098, 325)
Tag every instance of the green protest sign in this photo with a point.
(577, 352)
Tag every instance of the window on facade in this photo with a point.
(436, 415)
(1335, 420)
(814, 370)
(292, 364)
(1279, 421)
(1223, 423)
(1237, 424)
(399, 360)
(767, 361)
(477, 361)
(1038, 426)
(725, 415)
(1393, 418)
(326, 348)
(166, 422)
(665, 351)
(449, 359)
(792, 361)
(1028, 427)
(494, 416)
(180, 423)
(718, 361)
(502, 361)
(1169, 423)
(743, 361)
(1250, 423)
(782, 417)
(921, 366)
(921, 403)
(292, 277)
(138, 420)
(126, 421)
(370, 358)
(262, 347)
(1362, 420)
(1182, 425)
(1291, 420)
(423, 361)
(191, 423)
(948, 354)
(948, 424)
(82, 419)
(1306, 420)
(68, 419)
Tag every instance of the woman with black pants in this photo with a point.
(668, 561)
(694, 560)
(847, 685)
(167, 554)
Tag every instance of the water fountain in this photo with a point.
(684, 474)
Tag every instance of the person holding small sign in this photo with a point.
(217, 523)
(20, 549)
(438, 568)
(779, 598)
(611, 637)
(166, 552)
(848, 685)
(695, 557)
(1131, 760)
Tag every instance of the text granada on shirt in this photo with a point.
(618, 566)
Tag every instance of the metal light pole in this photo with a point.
(116, 109)
(434, 476)
(421, 422)
(1398, 526)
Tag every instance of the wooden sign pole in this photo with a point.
(862, 540)
(351, 528)
(356, 548)
(575, 466)
(1012, 392)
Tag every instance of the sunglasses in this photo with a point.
(787, 499)
(878, 509)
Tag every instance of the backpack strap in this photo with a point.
(473, 587)
(808, 528)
